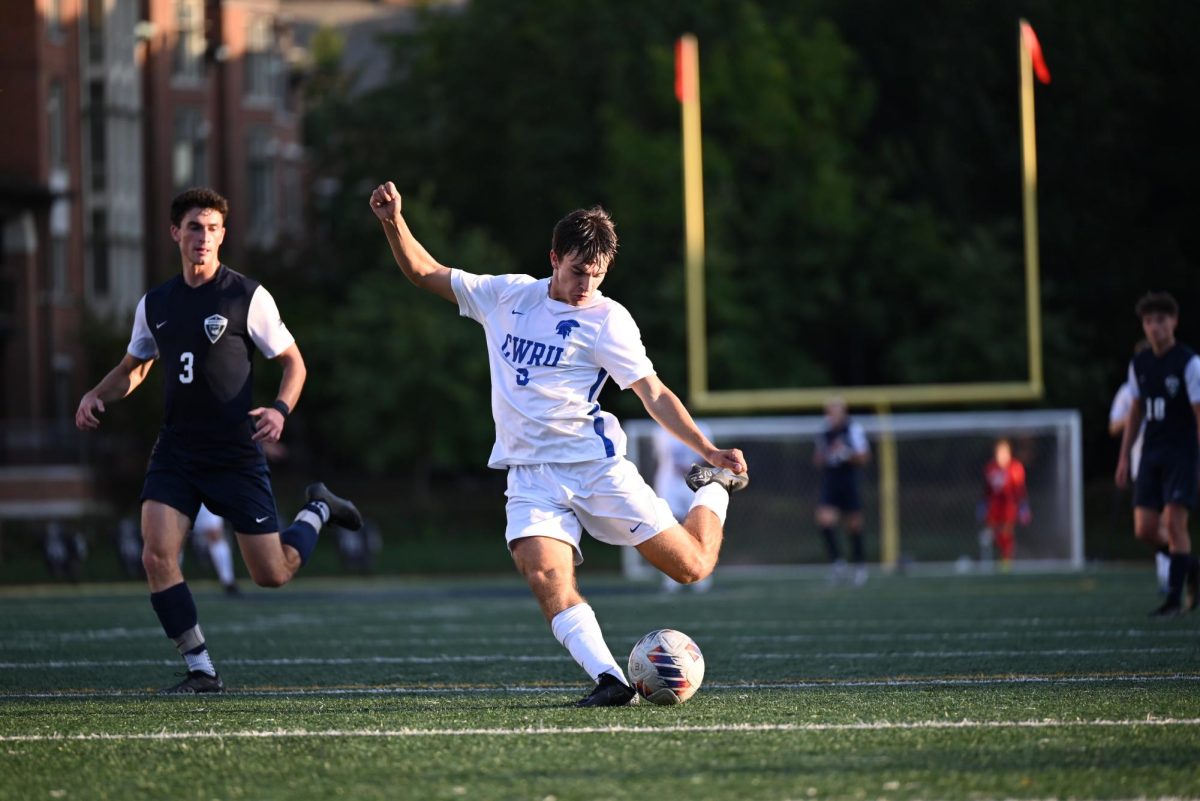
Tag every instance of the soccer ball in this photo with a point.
(666, 667)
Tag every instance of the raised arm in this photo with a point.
(665, 407)
(269, 426)
(415, 262)
(120, 381)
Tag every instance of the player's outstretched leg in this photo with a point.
(274, 559)
(688, 552)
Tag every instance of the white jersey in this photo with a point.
(548, 362)
(1122, 404)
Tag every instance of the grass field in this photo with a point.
(1045, 686)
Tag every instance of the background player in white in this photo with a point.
(552, 344)
(674, 461)
(211, 529)
(204, 326)
(1118, 416)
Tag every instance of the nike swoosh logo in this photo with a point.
(514, 311)
(160, 325)
(635, 528)
(261, 519)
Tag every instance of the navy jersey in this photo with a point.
(205, 338)
(838, 444)
(1168, 386)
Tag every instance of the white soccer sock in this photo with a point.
(579, 632)
(713, 497)
(222, 559)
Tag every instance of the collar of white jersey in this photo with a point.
(558, 307)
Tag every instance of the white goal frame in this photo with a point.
(1064, 424)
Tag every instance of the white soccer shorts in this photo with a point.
(608, 497)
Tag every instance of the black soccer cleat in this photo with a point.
(1167, 610)
(341, 511)
(702, 475)
(610, 691)
(196, 681)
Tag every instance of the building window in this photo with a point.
(189, 49)
(260, 168)
(189, 161)
(260, 58)
(95, 31)
(54, 19)
(56, 123)
(97, 134)
(100, 276)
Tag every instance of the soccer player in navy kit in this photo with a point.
(841, 452)
(1166, 379)
(204, 325)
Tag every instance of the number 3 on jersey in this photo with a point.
(522, 376)
(186, 359)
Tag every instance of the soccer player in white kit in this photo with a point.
(552, 344)
(211, 528)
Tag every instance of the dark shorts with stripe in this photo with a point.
(839, 489)
(1166, 476)
(240, 493)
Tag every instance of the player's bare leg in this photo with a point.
(1152, 528)
(687, 552)
(274, 559)
(163, 531)
(270, 562)
(548, 566)
(827, 518)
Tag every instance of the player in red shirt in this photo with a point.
(1004, 499)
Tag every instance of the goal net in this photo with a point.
(938, 472)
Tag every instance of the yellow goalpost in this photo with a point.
(884, 397)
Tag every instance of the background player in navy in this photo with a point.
(841, 452)
(1165, 378)
(204, 325)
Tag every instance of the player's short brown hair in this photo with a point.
(588, 232)
(1157, 303)
(198, 197)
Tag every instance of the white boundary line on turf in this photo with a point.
(882, 725)
(485, 658)
(833, 684)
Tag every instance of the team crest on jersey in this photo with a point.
(1172, 382)
(214, 326)
(564, 328)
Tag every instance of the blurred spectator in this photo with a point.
(64, 551)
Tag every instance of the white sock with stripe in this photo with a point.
(578, 630)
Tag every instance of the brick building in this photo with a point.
(111, 107)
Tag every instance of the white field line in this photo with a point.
(880, 725)
(817, 684)
(486, 658)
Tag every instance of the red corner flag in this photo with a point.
(685, 69)
(1035, 52)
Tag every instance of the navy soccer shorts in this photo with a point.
(241, 494)
(840, 490)
(1166, 476)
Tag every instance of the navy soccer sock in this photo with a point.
(831, 543)
(1180, 564)
(177, 613)
(302, 533)
(857, 554)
